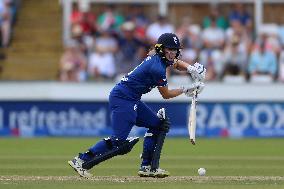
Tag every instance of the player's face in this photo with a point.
(170, 54)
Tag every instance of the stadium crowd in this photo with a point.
(112, 43)
(8, 10)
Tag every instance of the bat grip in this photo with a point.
(195, 94)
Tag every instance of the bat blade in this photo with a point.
(192, 119)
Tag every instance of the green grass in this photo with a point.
(42, 163)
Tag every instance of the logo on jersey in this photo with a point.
(135, 107)
(161, 81)
(175, 40)
(124, 78)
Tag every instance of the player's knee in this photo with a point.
(165, 121)
(121, 146)
(109, 143)
(165, 125)
(127, 145)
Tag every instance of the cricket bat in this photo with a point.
(192, 119)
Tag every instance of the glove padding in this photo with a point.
(197, 72)
(166, 124)
(189, 91)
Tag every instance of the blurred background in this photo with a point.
(60, 59)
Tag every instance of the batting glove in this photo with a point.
(189, 91)
(197, 72)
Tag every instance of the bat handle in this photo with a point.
(195, 94)
(193, 103)
(192, 141)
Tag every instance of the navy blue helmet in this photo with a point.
(167, 40)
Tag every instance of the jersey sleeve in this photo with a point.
(160, 79)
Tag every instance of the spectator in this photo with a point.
(192, 44)
(232, 70)
(101, 65)
(212, 59)
(192, 38)
(76, 14)
(158, 28)
(5, 22)
(72, 64)
(215, 14)
(106, 42)
(239, 13)
(238, 32)
(131, 49)
(213, 35)
(101, 61)
(262, 62)
(89, 23)
(281, 66)
(110, 20)
(182, 30)
(77, 30)
(80, 39)
(83, 27)
(237, 29)
(270, 33)
(235, 58)
(281, 34)
(137, 16)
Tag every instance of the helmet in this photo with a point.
(167, 40)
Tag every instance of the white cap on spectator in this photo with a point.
(128, 26)
(84, 6)
(194, 29)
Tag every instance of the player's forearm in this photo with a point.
(181, 65)
(172, 93)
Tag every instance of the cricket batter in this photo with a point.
(128, 110)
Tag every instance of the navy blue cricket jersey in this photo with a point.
(149, 74)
